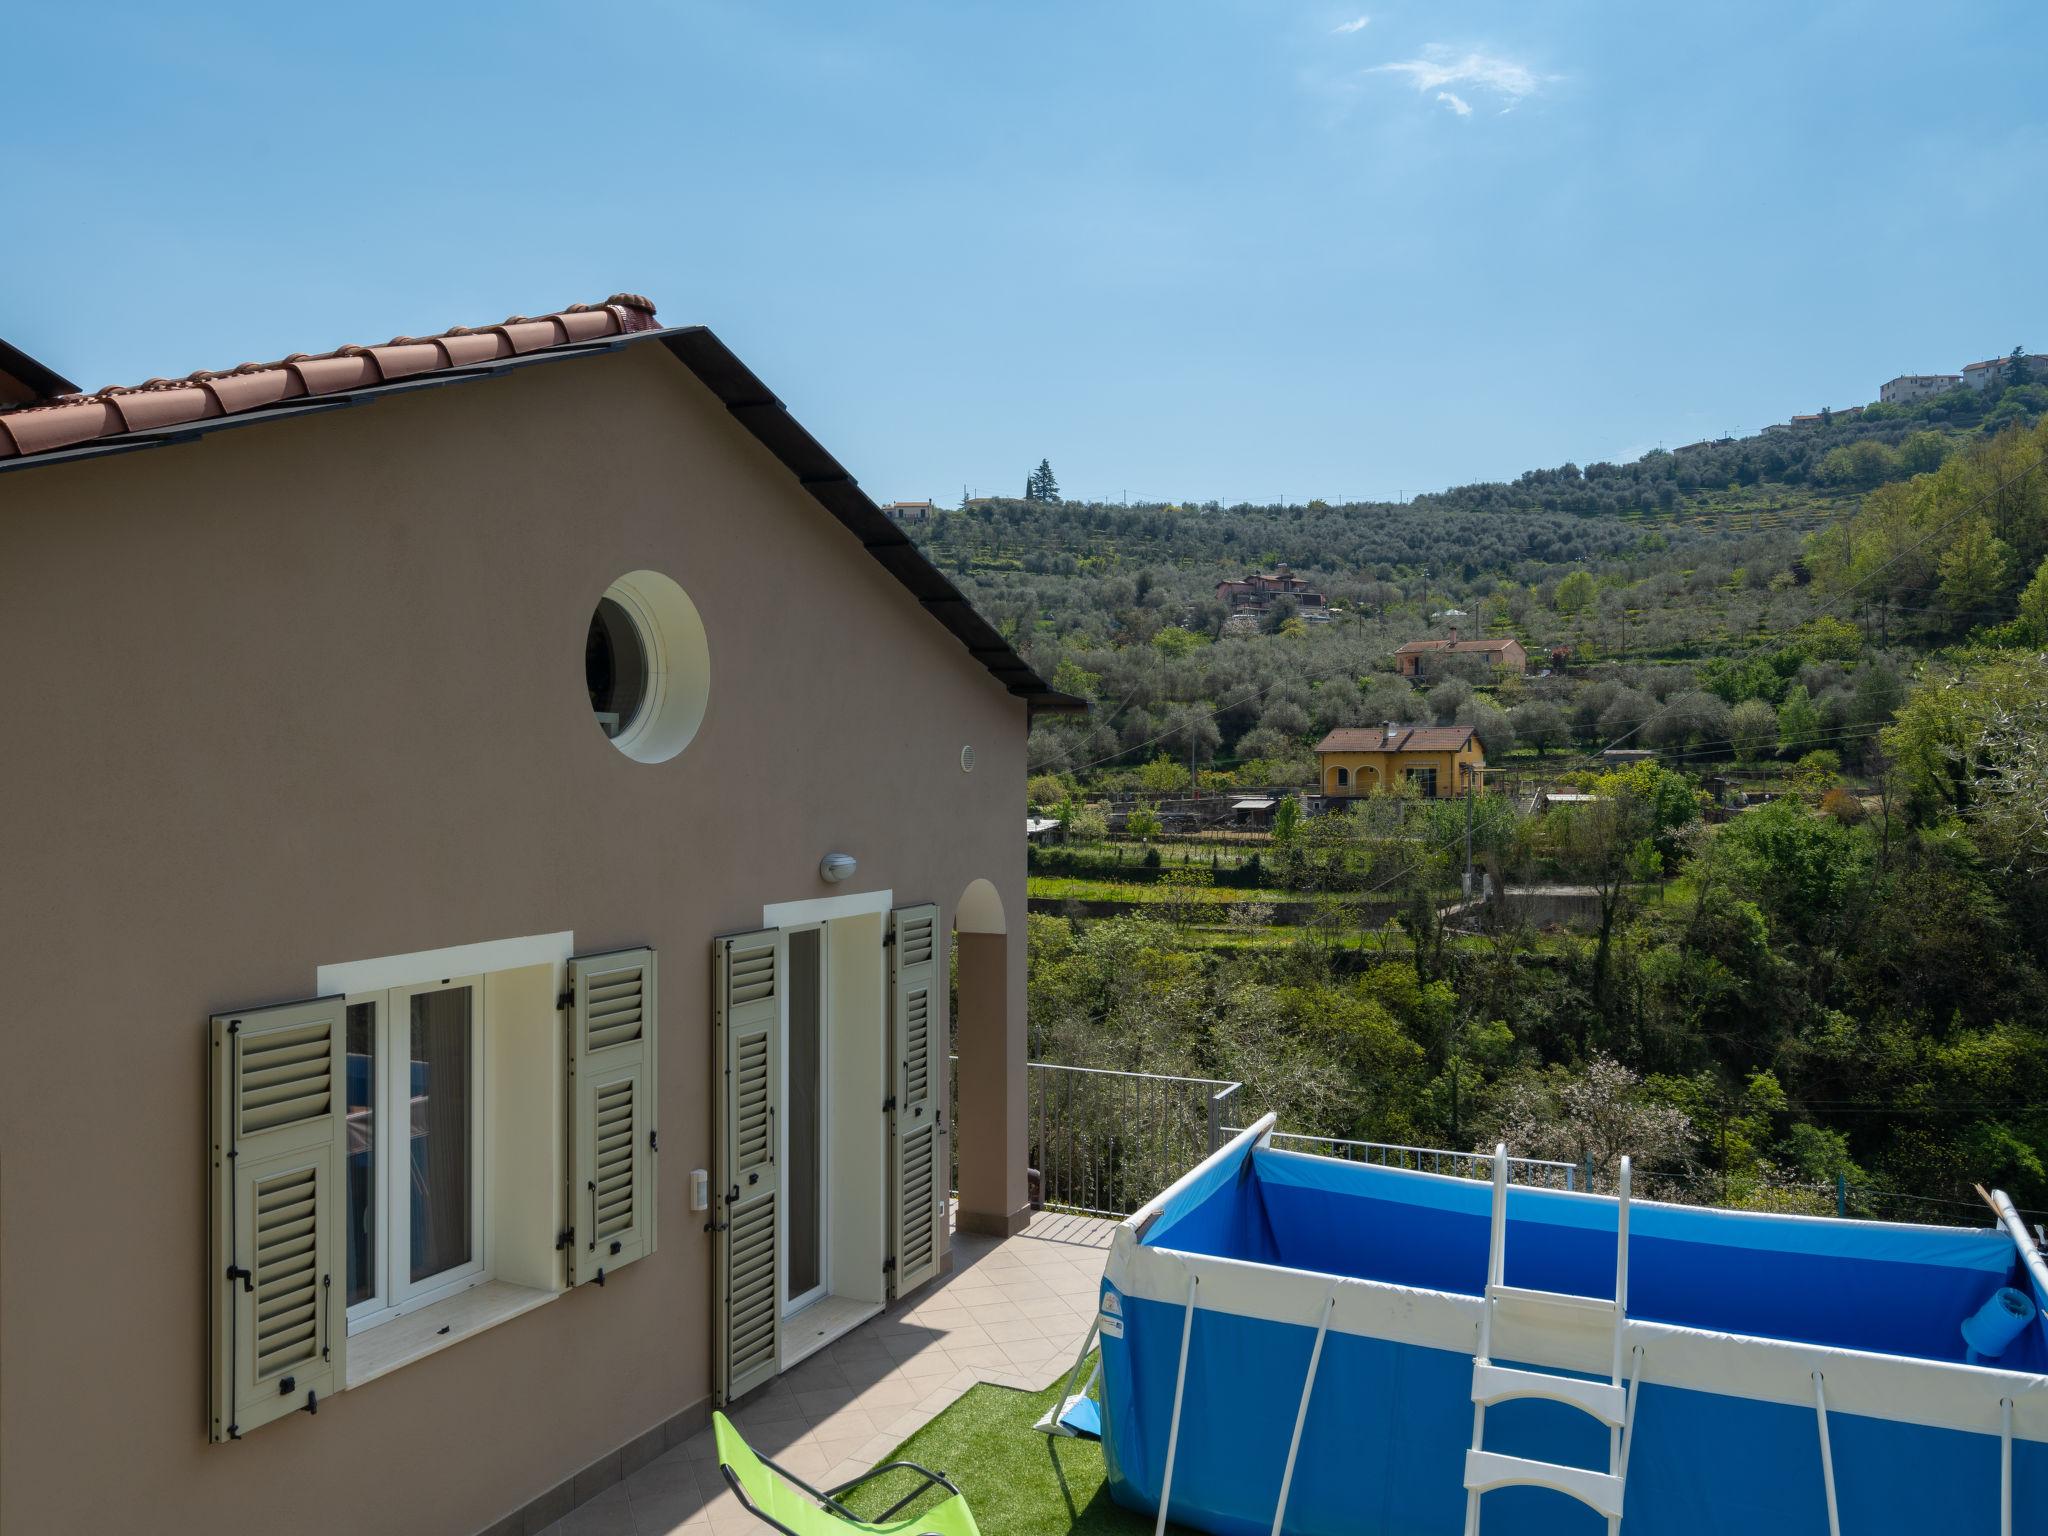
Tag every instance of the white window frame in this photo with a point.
(394, 1292)
(634, 730)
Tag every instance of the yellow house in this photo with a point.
(1438, 759)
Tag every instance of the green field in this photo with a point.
(1072, 888)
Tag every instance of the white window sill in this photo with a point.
(381, 1350)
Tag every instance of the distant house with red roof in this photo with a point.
(1439, 760)
(1996, 370)
(1504, 654)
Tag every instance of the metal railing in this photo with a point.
(1540, 1171)
(1104, 1142)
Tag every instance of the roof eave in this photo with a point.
(751, 403)
(825, 479)
(43, 381)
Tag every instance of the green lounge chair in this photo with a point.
(770, 1492)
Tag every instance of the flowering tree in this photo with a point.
(1597, 1116)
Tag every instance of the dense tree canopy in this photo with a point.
(1849, 981)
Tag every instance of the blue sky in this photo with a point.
(1190, 250)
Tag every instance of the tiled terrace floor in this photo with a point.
(1012, 1311)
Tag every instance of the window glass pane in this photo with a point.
(615, 666)
(441, 1109)
(362, 1152)
(804, 1180)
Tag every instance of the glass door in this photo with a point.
(803, 1121)
(415, 1147)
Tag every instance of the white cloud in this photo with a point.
(1440, 68)
(1358, 24)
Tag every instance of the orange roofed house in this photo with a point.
(1439, 760)
(492, 1046)
(1506, 654)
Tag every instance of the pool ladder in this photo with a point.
(1611, 1402)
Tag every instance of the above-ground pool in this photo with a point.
(1783, 1373)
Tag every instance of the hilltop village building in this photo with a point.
(1909, 387)
(1993, 370)
(1822, 418)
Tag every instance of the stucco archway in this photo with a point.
(989, 1044)
(980, 910)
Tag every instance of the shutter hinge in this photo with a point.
(654, 1141)
(565, 1238)
(236, 1272)
(889, 1103)
(889, 938)
(566, 1001)
(888, 1266)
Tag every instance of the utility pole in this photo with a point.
(1468, 835)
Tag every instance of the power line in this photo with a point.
(1865, 1107)
(1845, 733)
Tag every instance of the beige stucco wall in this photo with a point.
(311, 691)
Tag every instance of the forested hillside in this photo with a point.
(1648, 572)
(1817, 969)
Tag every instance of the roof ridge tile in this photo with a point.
(64, 421)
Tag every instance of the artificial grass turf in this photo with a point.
(1017, 1481)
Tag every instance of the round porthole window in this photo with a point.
(647, 667)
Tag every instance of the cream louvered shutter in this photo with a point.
(747, 1038)
(917, 1140)
(279, 1115)
(613, 1137)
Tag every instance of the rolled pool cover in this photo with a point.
(1993, 1326)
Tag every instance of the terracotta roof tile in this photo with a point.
(69, 420)
(1411, 647)
(403, 359)
(1405, 738)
